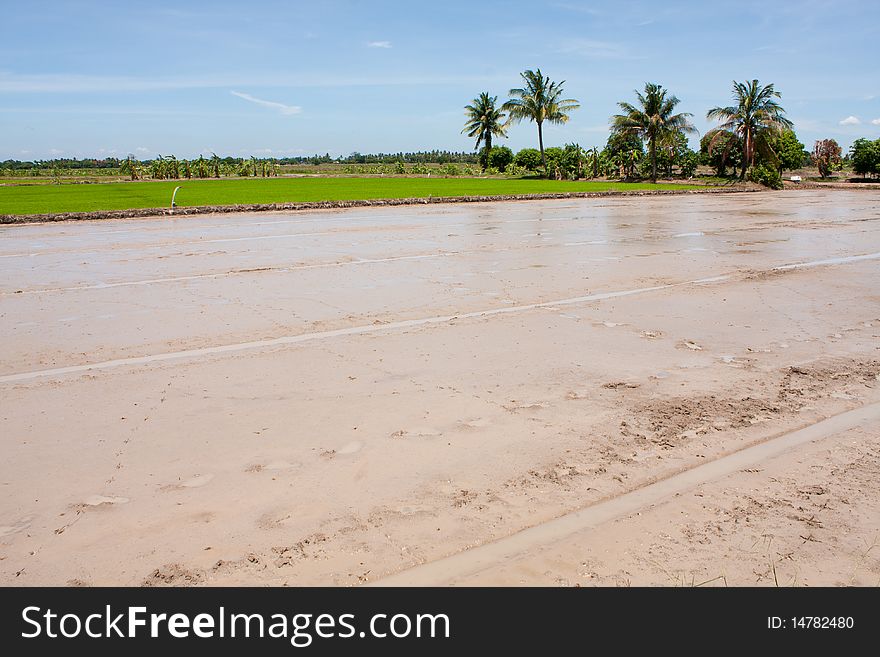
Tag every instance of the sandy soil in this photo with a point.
(340, 397)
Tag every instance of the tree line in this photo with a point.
(649, 137)
(202, 167)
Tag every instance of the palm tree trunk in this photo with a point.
(746, 154)
(488, 145)
(653, 158)
(541, 146)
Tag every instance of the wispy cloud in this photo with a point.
(875, 121)
(595, 49)
(580, 9)
(777, 50)
(67, 83)
(378, 44)
(851, 120)
(281, 107)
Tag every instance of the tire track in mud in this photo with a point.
(474, 560)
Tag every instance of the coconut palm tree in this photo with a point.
(539, 100)
(483, 121)
(652, 120)
(754, 118)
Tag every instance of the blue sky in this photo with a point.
(81, 78)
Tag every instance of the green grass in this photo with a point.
(39, 199)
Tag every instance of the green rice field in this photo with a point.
(42, 199)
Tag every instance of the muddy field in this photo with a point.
(542, 392)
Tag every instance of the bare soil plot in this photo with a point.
(336, 397)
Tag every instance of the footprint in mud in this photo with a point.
(733, 361)
(351, 448)
(273, 466)
(476, 423)
(420, 432)
(514, 406)
(196, 481)
(617, 385)
(652, 335)
(102, 500)
(18, 526)
(690, 344)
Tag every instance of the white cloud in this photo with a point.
(379, 44)
(55, 151)
(281, 107)
(64, 83)
(595, 49)
(851, 120)
(875, 121)
(141, 149)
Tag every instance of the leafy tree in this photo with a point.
(789, 151)
(673, 151)
(539, 100)
(865, 157)
(754, 119)
(688, 163)
(483, 121)
(528, 158)
(826, 156)
(720, 149)
(568, 162)
(653, 120)
(500, 157)
(553, 161)
(623, 151)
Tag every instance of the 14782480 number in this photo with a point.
(822, 622)
(810, 623)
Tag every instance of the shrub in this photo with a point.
(500, 157)
(688, 163)
(767, 176)
(528, 158)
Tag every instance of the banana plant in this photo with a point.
(131, 167)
